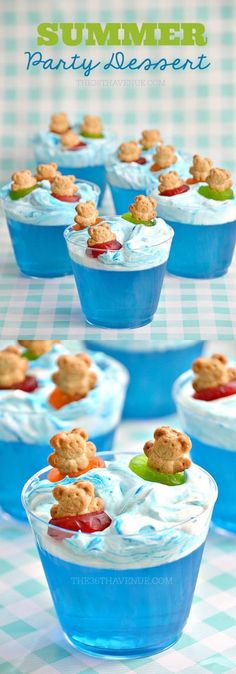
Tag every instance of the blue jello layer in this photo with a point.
(122, 614)
(201, 251)
(153, 372)
(40, 251)
(19, 461)
(221, 464)
(95, 174)
(122, 198)
(113, 299)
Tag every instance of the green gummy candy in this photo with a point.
(29, 355)
(129, 217)
(18, 194)
(207, 192)
(91, 135)
(139, 465)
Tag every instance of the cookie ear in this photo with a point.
(197, 365)
(220, 357)
(86, 486)
(58, 491)
(86, 359)
(81, 431)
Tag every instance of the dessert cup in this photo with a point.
(205, 232)
(153, 370)
(27, 422)
(121, 288)
(86, 163)
(36, 225)
(211, 427)
(125, 592)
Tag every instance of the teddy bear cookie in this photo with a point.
(101, 239)
(165, 458)
(91, 127)
(150, 138)
(47, 172)
(219, 185)
(70, 140)
(36, 347)
(130, 151)
(164, 157)
(214, 378)
(74, 379)
(73, 455)
(143, 210)
(23, 182)
(64, 188)
(170, 184)
(77, 509)
(13, 371)
(59, 123)
(200, 169)
(86, 215)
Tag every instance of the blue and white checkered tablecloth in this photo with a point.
(31, 640)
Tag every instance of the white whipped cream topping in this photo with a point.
(212, 422)
(28, 417)
(142, 247)
(48, 148)
(192, 208)
(131, 175)
(39, 207)
(152, 523)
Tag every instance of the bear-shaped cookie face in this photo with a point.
(200, 168)
(70, 139)
(59, 123)
(169, 181)
(219, 179)
(150, 138)
(13, 367)
(22, 180)
(129, 151)
(87, 215)
(164, 156)
(47, 172)
(38, 346)
(168, 452)
(64, 186)
(75, 499)
(100, 234)
(212, 371)
(91, 125)
(144, 208)
(72, 451)
(74, 376)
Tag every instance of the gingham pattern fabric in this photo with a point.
(50, 308)
(193, 109)
(31, 639)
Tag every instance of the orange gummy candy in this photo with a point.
(58, 399)
(192, 181)
(96, 462)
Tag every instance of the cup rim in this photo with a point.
(149, 535)
(110, 220)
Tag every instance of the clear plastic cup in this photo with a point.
(114, 296)
(133, 602)
(213, 447)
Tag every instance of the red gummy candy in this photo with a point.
(73, 198)
(215, 392)
(141, 161)
(28, 385)
(176, 190)
(87, 524)
(79, 146)
(99, 248)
